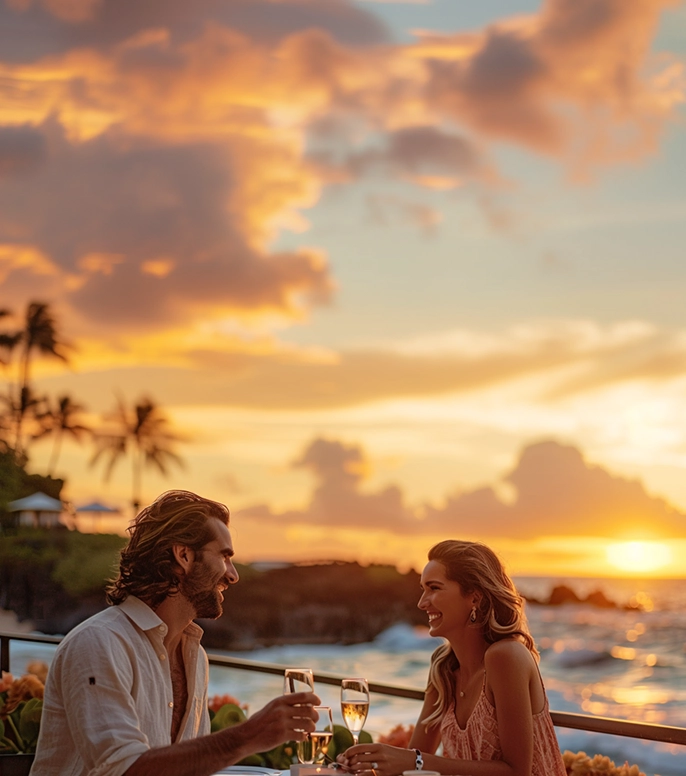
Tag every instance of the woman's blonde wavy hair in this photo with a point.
(499, 614)
(147, 568)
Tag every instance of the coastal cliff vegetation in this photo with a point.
(56, 578)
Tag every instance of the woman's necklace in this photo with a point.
(459, 682)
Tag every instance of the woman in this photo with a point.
(485, 700)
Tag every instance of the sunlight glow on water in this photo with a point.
(639, 558)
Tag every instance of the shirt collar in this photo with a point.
(140, 613)
(145, 618)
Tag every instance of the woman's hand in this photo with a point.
(377, 759)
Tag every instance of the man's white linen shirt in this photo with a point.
(109, 698)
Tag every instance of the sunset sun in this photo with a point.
(638, 558)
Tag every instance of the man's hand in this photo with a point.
(287, 718)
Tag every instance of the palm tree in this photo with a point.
(8, 340)
(17, 409)
(60, 420)
(39, 333)
(143, 431)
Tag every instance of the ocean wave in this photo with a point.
(405, 638)
(573, 658)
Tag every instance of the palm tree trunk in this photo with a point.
(55, 454)
(22, 398)
(137, 478)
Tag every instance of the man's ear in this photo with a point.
(184, 556)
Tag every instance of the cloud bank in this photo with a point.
(557, 493)
(151, 151)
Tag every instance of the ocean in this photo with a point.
(628, 664)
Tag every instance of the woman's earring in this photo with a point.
(472, 614)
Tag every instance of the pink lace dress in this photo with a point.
(480, 741)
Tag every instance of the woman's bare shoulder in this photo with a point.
(508, 653)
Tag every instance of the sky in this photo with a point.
(395, 271)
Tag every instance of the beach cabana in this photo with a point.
(96, 510)
(37, 510)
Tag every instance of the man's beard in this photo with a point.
(199, 587)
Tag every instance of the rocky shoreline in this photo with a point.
(332, 603)
(562, 594)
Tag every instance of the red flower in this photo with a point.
(399, 736)
(217, 701)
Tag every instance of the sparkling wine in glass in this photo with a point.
(354, 705)
(300, 680)
(320, 739)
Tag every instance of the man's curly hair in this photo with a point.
(147, 568)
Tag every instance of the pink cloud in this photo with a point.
(175, 135)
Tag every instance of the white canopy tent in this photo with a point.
(37, 510)
(97, 510)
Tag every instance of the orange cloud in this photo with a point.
(183, 131)
(557, 493)
(160, 201)
(219, 362)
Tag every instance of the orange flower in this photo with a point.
(39, 669)
(399, 736)
(22, 690)
(6, 680)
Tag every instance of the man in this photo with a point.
(127, 689)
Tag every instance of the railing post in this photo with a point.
(4, 653)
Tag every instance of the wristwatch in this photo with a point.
(419, 760)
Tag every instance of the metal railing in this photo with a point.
(616, 727)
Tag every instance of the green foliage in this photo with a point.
(78, 563)
(19, 730)
(342, 739)
(11, 477)
(16, 482)
(227, 716)
(29, 721)
(30, 546)
(89, 561)
(280, 757)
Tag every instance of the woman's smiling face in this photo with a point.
(447, 607)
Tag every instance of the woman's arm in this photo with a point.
(508, 672)
(509, 667)
(423, 739)
(387, 760)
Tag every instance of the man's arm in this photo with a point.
(286, 718)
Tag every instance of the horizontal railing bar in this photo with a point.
(593, 724)
(620, 727)
(319, 676)
(32, 637)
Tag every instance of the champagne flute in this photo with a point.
(323, 733)
(354, 705)
(300, 680)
